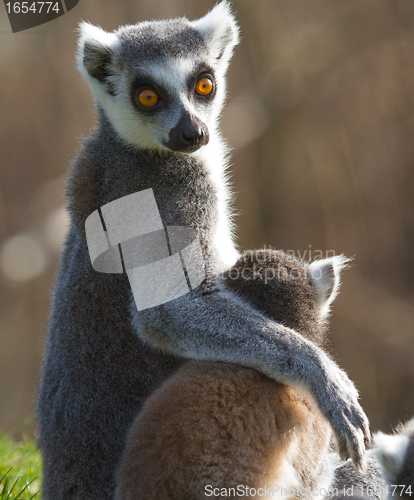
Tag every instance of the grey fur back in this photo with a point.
(97, 371)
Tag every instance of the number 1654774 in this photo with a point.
(34, 7)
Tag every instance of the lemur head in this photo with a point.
(396, 456)
(288, 290)
(161, 83)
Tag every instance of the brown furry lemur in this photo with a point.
(223, 425)
(223, 430)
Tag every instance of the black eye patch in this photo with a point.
(143, 82)
(202, 70)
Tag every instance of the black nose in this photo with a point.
(188, 135)
(193, 137)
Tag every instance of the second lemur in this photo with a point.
(219, 429)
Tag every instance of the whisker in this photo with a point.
(123, 119)
(132, 129)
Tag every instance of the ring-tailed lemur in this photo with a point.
(159, 88)
(218, 429)
(396, 454)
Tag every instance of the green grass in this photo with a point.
(20, 469)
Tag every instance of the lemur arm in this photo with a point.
(219, 326)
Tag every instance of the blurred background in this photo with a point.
(320, 116)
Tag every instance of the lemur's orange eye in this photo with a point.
(148, 97)
(204, 86)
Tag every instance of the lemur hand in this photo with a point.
(339, 403)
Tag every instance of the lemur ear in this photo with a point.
(220, 30)
(326, 277)
(95, 51)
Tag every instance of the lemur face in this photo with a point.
(161, 83)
